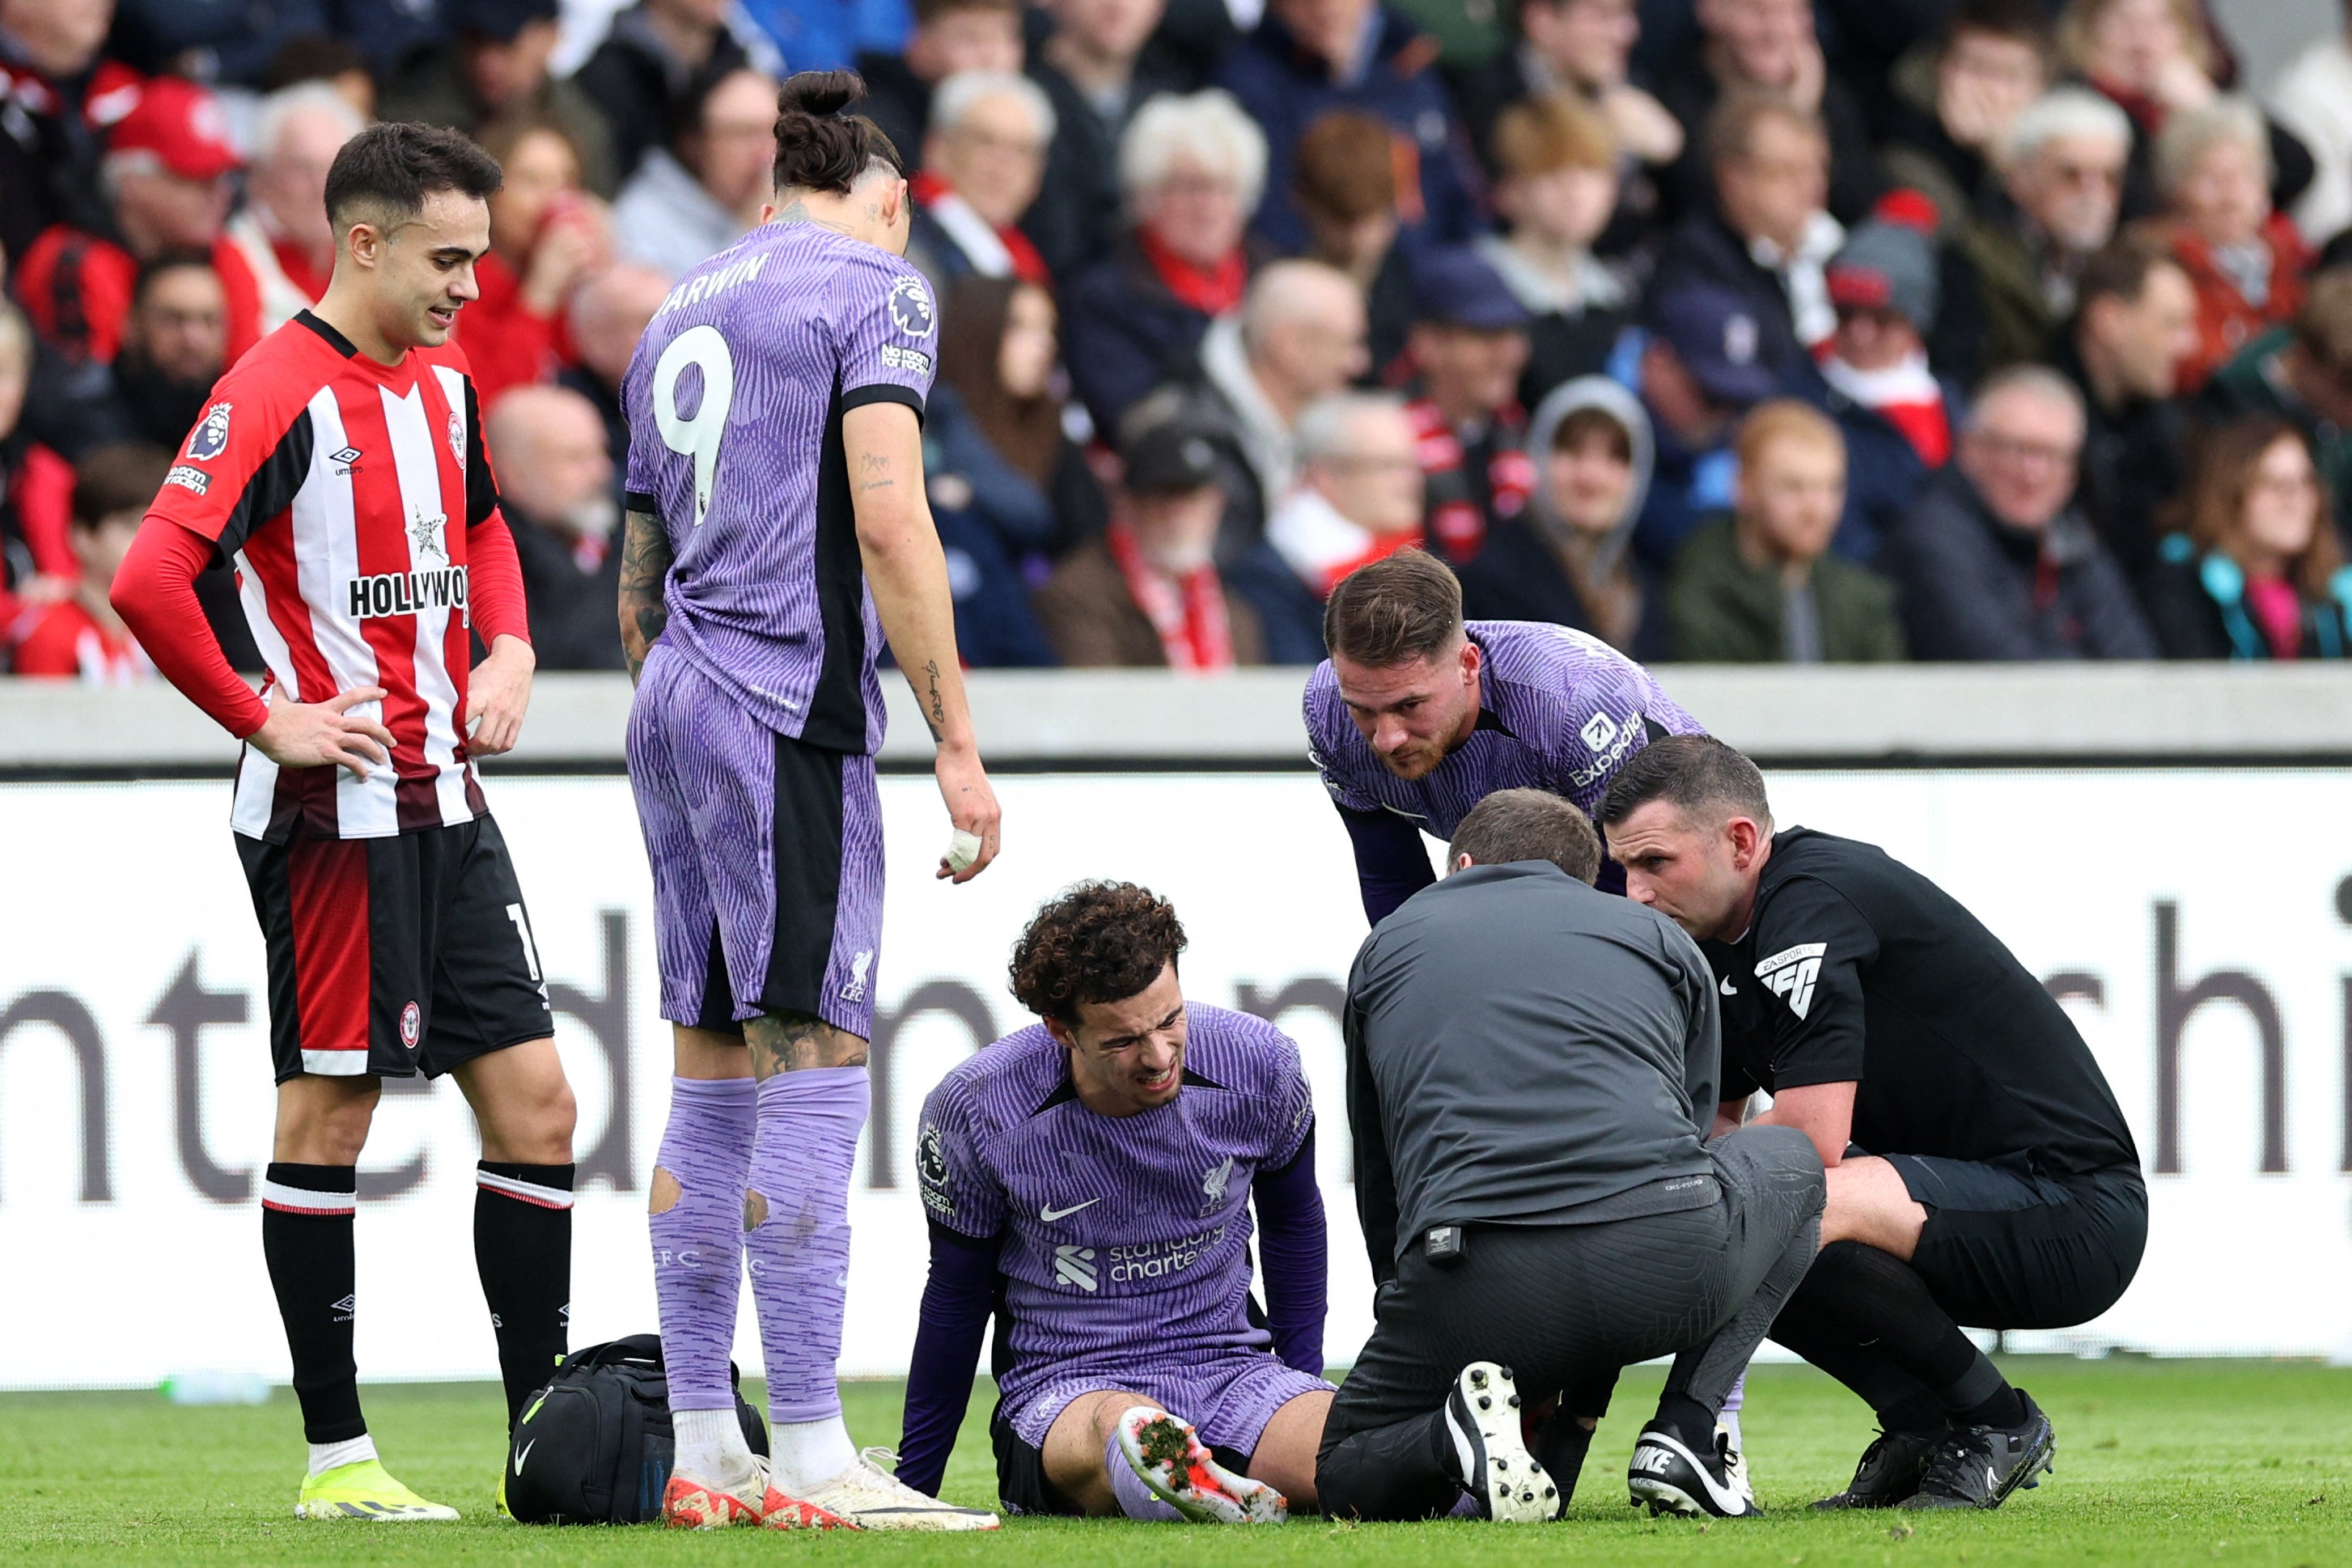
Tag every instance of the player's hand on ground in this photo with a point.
(496, 697)
(971, 807)
(319, 734)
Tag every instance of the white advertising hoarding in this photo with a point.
(2195, 921)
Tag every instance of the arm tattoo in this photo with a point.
(646, 558)
(935, 708)
(784, 1042)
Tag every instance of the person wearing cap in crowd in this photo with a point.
(1700, 366)
(1148, 595)
(493, 67)
(1896, 415)
(166, 178)
(1469, 345)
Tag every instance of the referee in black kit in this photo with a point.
(1531, 1077)
(1980, 1169)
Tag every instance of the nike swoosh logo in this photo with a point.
(1050, 1214)
(1728, 988)
(523, 1453)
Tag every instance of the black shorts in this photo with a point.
(1021, 1483)
(394, 956)
(2006, 1248)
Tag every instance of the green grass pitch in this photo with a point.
(2158, 1462)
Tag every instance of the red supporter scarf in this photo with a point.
(1028, 265)
(1189, 615)
(1214, 291)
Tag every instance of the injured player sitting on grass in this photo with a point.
(1090, 1180)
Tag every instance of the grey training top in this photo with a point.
(1523, 1050)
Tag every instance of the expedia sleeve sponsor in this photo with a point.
(407, 593)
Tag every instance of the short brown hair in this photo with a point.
(1346, 166)
(2016, 21)
(1783, 419)
(1098, 941)
(1557, 131)
(1732, 125)
(1528, 825)
(1400, 609)
(2121, 271)
(929, 11)
(2324, 326)
(1689, 773)
(122, 476)
(2213, 508)
(1580, 427)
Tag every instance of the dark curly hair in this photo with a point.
(818, 147)
(1099, 941)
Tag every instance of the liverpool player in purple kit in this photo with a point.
(776, 532)
(1090, 1180)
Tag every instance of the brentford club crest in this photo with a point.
(412, 1025)
(457, 438)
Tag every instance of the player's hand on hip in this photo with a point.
(971, 807)
(497, 694)
(322, 734)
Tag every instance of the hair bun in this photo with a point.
(820, 93)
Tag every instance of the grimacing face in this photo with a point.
(1128, 1056)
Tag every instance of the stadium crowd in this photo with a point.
(1755, 331)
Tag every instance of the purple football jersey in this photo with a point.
(1125, 1239)
(1558, 710)
(735, 399)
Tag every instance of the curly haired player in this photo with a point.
(1090, 1179)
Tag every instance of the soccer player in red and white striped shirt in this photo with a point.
(340, 467)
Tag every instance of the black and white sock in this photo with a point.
(522, 1249)
(306, 1239)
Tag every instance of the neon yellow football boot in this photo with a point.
(364, 1491)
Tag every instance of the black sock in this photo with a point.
(2003, 1409)
(1689, 1421)
(1882, 1300)
(523, 1247)
(306, 1239)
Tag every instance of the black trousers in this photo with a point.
(1565, 1307)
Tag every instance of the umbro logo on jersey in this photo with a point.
(345, 461)
(1076, 1266)
(1049, 1214)
(210, 439)
(1791, 974)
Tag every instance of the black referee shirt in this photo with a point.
(1856, 967)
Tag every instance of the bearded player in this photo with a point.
(1090, 1180)
(776, 532)
(341, 467)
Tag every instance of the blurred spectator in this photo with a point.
(547, 236)
(228, 45)
(1582, 48)
(36, 486)
(1099, 63)
(2303, 373)
(1556, 185)
(1298, 339)
(166, 173)
(2135, 316)
(651, 60)
(174, 347)
(494, 68)
(1308, 57)
(692, 199)
(2259, 574)
(1994, 563)
(2246, 261)
(1469, 344)
(61, 95)
(1701, 367)
(1895, 415)
(1568, 558)
(1191, 168)
(1359, 497)
(829, 34)
(79, 636)
(949, 36)
(555, 485)
(331, 61)
(283, 232)
(2155, 58)
(2010, 270)
(2314, 100)
(1147, 594)
(1958, 102)
(983, 159)
(1345, 181)
(1768, 48)
(1765, 237)
(606, 317)
(999, 425)
(1760, 587)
